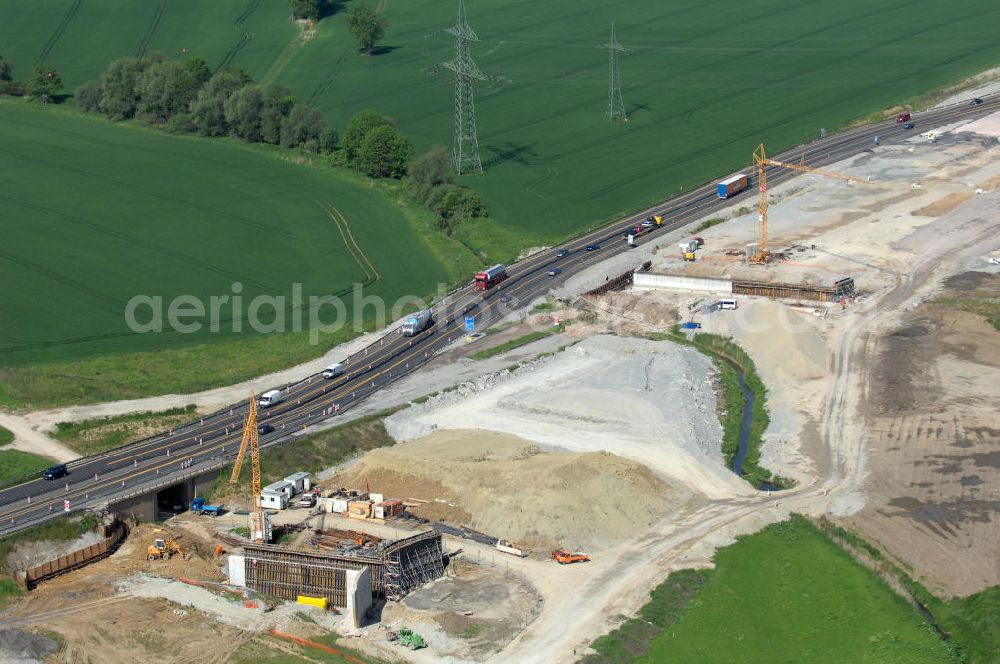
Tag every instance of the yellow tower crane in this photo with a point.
(760, 163)
(259, 523)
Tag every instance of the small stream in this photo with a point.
(741, 453)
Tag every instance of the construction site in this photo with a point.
(567, 477)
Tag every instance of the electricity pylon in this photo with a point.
(467, 72)
(616, 107)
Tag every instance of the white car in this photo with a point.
(995, 260)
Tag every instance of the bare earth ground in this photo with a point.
(512, 489)
(933, 429)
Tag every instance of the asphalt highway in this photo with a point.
(213, 440)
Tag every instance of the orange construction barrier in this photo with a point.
(319, 646)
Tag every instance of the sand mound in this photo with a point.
(651, 402)
(506, 486)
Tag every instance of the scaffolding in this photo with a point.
(396, 568)
(842, 288)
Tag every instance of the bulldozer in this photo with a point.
(162, 548)
(564, 557)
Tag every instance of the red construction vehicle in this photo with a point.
(564, 557)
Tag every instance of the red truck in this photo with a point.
(489, 278)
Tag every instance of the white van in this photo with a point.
(727, 304)
(270, 398)
(333, 370)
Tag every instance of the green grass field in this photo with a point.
(703, 83)
(96, 213)
(788, 594)
(6, 436)
(104, 433)
(15, 464)
(81, 38)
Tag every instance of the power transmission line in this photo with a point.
(616, 107)
(467, 72)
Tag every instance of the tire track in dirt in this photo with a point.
(151, 30)
(57, 35)
(250, 9)
(371, 274)
(327, 81)
(245, 38)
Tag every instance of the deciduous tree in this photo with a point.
(358, 128)
(367, 25)
(6, 70)
(43, 83)
(385, 153)
(208, 109)
(243, 112)
(88, 96)
(165, 89)
(278, 102)
(199, 69)
(303, 123)
(119, 81)
(427, 171)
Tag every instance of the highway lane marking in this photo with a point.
(844, 142)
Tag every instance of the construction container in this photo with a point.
(321, 602)
(300, 482)
(284, 487)
(336, 504)
(733, 185)
(388, 508)
(376, 497)
(275, 500)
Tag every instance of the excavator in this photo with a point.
(162, 548)
(564, 557)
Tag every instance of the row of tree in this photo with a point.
(186, 97)
(43, 83)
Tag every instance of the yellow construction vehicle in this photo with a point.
(689, 256)
(162, 548)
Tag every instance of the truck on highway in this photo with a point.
(333, 370)
(733, 185)
(270, 398)
(199, 506)
(416, 323)
(490, 277)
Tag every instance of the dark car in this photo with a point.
(55, 472)
(562, 253)
(909, 125)
(649, 223)
(593, 247)
(265, 429)
(554, 271)
(976, 102)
